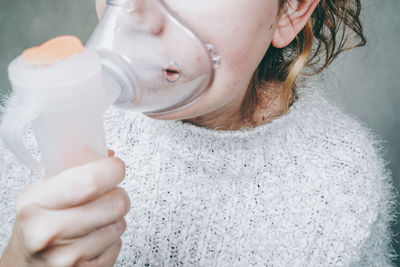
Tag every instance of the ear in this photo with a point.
(100, 7)
(295, 15)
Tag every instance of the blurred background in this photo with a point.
(366, 81)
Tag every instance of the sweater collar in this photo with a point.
(306, 96)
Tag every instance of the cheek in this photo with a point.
(243, 48)
(237, 71)
(237, 60)
(240, 57)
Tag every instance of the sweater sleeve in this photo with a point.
(359, 198)
(376, 249)
(365, 197)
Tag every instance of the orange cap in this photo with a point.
(53, 51)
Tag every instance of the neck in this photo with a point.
(229, 117)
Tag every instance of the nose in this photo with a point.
(129, 5)
(147, 13)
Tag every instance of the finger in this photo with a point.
(106, 259)
(46, 228)
(111, 153)
(86, 248)
(99, 241)
(77, 185)
(109, 208)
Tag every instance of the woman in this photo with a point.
(258, 172)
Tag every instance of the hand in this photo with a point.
(75, 218)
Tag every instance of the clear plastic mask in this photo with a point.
(153, 61)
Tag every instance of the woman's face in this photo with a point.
(241, 31)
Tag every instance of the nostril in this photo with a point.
(128, 4)
(130, 7)
(155, 19)
(147, 14)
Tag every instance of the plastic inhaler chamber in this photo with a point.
(151, 58)
(63, 100)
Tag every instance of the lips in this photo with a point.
(172, 72)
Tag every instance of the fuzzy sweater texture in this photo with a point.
(307, 189)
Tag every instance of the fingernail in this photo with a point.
(111, 153)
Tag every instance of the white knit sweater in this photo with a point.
(307, 189)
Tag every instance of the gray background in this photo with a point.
(366, 81)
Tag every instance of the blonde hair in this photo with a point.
(333, 28)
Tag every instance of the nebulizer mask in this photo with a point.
(141, 57)
(158, 62)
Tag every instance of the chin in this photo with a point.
(183, 114)
(194, 110)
